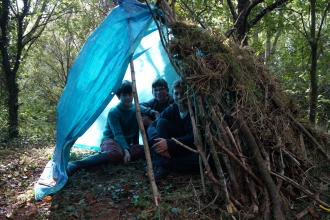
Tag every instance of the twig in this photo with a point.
(185, 146)
(301, 214)
(223, 184)
(211, 203)
(221, 133)
(193, 14)
(209, 172)
(307, 134)
(237, 161)
(291, 156)
(201, 169)
(267, 205)
(161, 35)
(307, 192)
(277, 201)
(144, 137)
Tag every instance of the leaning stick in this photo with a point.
(144, 138)
(264, 172)
(185, 146)
(221, 134)
(304, 131)
(304, 190)
(310, 137)
(241, 164)
(223, 184)
(209, 172)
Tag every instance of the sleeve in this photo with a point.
(115, 125)
(176, 149)
(145, 107)
(107, 131)
(152, 133)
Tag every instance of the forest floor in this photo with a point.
(106, 192)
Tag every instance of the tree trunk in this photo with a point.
(267, 47)
(12, 86)
(13, 41)
(313, 70)
(9, 72)
(242, 28)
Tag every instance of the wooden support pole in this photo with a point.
(144, 138)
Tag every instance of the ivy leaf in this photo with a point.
(144, 214)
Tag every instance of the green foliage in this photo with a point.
(44, 72)
(4, 123)
(291, 62)
(212, 14)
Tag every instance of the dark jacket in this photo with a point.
(182, 131)
(154, 104)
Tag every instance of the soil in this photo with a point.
(105, 192)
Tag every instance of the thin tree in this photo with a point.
(21, 25)
(313, 42)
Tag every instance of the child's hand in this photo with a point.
(127, 157)
(146, 120)
(160, 146)
(165, 154)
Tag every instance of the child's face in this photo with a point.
(179, 97)
(160, 93)
(126, 100)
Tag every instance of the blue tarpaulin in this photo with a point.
(128, 31)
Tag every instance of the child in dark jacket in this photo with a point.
(161, 99)
(174, 122)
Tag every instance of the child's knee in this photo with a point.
(115, 156)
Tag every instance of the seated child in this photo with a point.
(174, 122)
(120, 140)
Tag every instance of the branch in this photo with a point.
(161, 35)
(232, 9)
(307, 192)
(310, 137)
(223, 184)
(249, 9)
(144, 137)
(185, 146)
(232, 156)
(193, 15)
(36, 25)
(266, 10)
(297, 28)
(265, 174)
(322, 21)
(209, 172)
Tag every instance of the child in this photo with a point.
(175, 122)
(120, 140)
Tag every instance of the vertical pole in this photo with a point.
(144, 138)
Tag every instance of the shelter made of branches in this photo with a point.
(266, 155)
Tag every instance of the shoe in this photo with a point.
(160, 173)
(87, 162)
